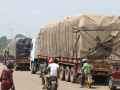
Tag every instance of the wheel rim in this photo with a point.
(110, 83)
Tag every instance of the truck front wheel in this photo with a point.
(111, 85)
(32, 69)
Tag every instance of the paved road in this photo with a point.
(24, 80)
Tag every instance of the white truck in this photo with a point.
(34, 65)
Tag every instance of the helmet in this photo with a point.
(83, 60)
(10, 63)
(50, 61)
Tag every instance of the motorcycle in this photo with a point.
(87, 81)
(52, 82)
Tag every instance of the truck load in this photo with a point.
(92, 36)
(19, 51)
(4, 56)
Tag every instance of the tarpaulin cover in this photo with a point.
(19, 47)
(68, 38)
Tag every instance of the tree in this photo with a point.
(3, 40)
(3, 43)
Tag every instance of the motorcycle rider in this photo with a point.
(50, 62)
(86, 69)
(54, 72)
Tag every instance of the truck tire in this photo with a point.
(67, 73)
(32, 69)
(72, 75)
(111, 85)
(62, 72)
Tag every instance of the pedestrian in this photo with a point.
(7, 76)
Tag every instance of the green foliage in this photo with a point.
(3, 44)
(19, 35)
(3, 41)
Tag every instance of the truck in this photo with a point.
(19, 51)
(91, 36)
(34, 64)
(4, 56)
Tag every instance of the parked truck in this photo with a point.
(19, 51)
(4, 56)
(91, 36)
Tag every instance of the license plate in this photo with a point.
(53, 82)
(101, 66)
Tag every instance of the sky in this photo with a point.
(28, 16)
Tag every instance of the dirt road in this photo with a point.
(24, 80)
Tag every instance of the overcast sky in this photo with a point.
(23, 16)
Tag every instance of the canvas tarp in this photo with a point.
(67, 38)
(19, 47)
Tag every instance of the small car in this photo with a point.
(114, 77)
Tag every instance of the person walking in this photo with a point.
(7, 76)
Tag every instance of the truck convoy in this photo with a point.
(92, 36)
(19, 51)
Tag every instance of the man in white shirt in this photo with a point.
(54, 72)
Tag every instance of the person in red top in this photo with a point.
(7, 76)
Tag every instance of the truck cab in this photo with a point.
(34, 56)
(114, 77)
